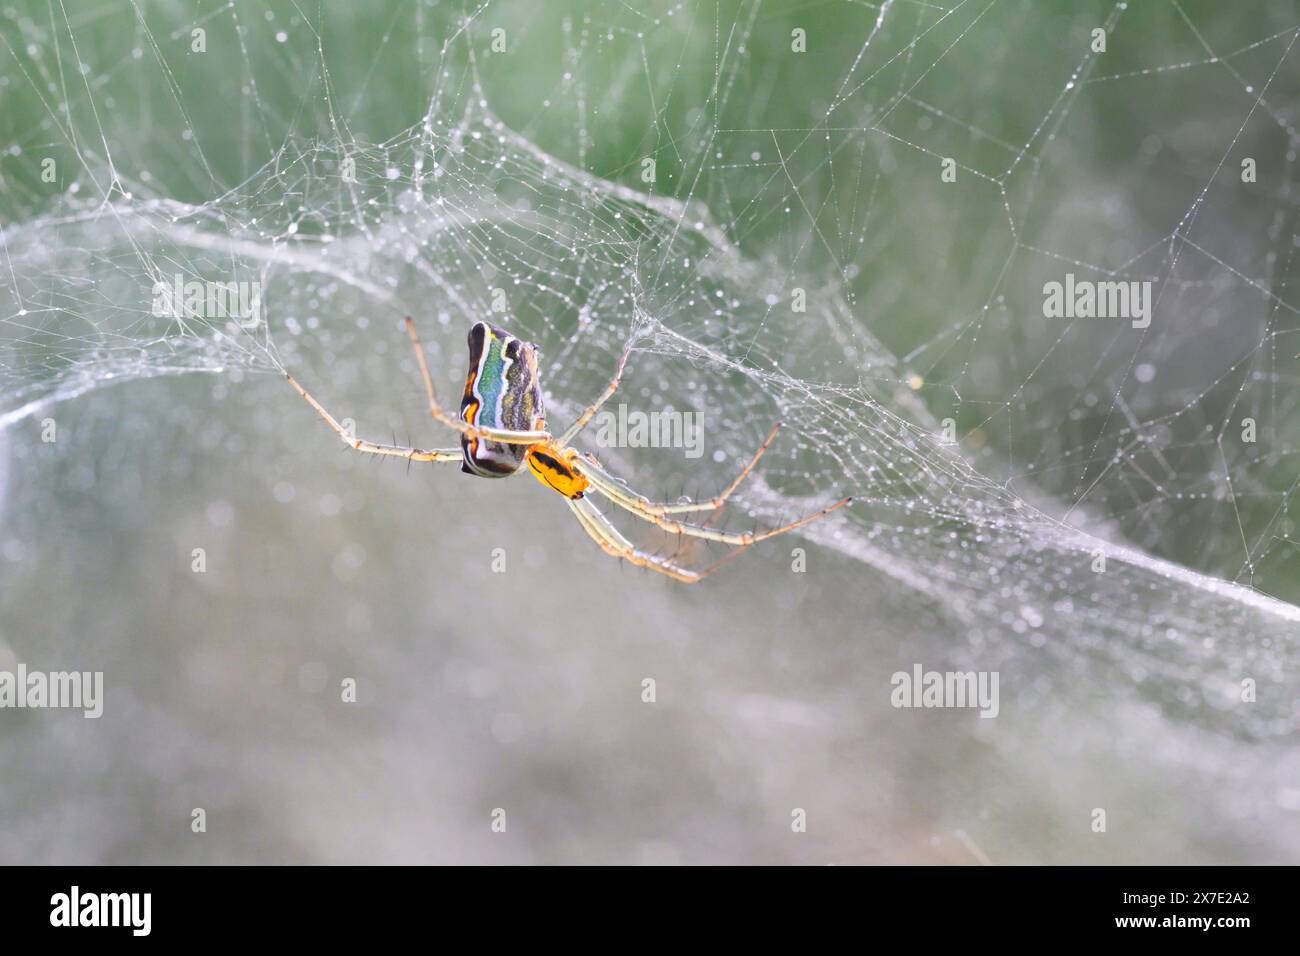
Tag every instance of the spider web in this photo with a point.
(1097, 518)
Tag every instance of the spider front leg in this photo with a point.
(358, 444)
(502, 435)
(592, 409)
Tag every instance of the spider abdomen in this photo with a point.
(502, 390)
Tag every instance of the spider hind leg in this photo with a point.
(613, 542)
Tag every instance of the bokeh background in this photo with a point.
(521, 169)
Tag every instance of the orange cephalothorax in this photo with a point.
(553, 467)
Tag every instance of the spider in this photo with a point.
(503, 431)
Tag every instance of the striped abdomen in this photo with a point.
(502, 390)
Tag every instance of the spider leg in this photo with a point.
(593, 470)
(744, 473)
(721, 499)
(613, 543)
(504, 436)
(630, 502)
(590, 468)
(358, 444)
(590, 413)
(731, 488)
